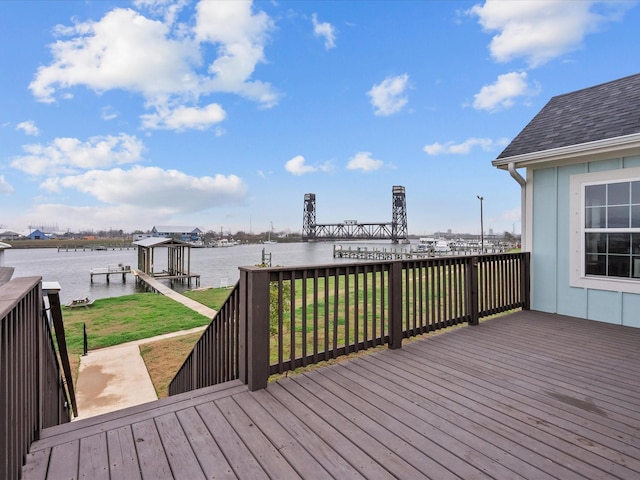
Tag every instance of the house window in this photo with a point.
(604, 230)
(612, 229)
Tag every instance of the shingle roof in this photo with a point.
(601, 112)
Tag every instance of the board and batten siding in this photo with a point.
(551, 245)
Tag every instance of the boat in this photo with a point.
(269, 241)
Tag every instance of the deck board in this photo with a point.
(522, 396)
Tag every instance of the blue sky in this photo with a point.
(223, 114)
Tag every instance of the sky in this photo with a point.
(224, 114)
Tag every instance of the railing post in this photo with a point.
(395, 305)
(472, 291)
(525, 280)
(254, 328)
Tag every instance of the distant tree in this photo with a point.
(509, 237)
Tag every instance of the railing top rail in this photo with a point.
(12, 292)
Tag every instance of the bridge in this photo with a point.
(396, 230)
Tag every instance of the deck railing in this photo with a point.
(290, 317)
(33, 394)
(214, 359)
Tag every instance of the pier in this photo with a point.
(365, 253)
(113, 269)
(155, 286)
(94, 248)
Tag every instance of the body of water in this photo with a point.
(214, 265)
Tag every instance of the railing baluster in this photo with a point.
(355, 306)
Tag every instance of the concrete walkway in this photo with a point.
(116, 377)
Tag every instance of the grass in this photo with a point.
(164, 357)
(112, 321)
(211, 297)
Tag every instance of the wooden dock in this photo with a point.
(524, 396)
(155, 286)
(384, 254)
(94, 248)
(114, 269)
(366, 253)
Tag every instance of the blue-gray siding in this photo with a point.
(551, 290)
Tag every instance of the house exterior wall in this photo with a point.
(551, 247)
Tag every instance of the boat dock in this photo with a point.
(94, 248)
(113, 269)
(364, 253)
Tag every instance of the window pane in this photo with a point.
(636, 266)
(635, 216)
(620, 243)
(635, 244)
(596, 242)
(596, 217)
(618, 217)
(619, 265)
(618, 193)
(596, 265)
(635, 192)
(595, 195)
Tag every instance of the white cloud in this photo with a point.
(363, 161)
(324, 30)
(388, 96)
(464, 148)
(124, 50)
(168, 9)
(5, 187)
(502, 94)
(297, 166)
(182, 118)
(29, 128)
(541, 30)
(108, 113)
(69, 155)
(152, 187)
(90, 218)
(168, 64)
(241, 36)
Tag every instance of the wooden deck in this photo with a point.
(527, 395)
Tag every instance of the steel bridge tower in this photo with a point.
(399, 230)
(309, 217)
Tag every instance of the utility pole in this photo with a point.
(481, 225)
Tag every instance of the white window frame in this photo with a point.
(577, 277)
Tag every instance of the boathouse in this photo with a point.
(178, 259)
(581, 202)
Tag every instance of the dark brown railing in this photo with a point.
(214, 359)
(33, 394)
(290, 317)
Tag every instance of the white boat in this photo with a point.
(269, 241)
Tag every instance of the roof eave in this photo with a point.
(591, 151)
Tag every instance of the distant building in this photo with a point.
(187, 234)
(9, 235)
(37, 234)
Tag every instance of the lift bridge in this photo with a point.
(396, 230)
